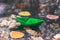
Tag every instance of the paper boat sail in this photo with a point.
(29, 22)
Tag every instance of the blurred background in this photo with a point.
(42, 9)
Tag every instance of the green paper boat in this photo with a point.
(29, 22)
